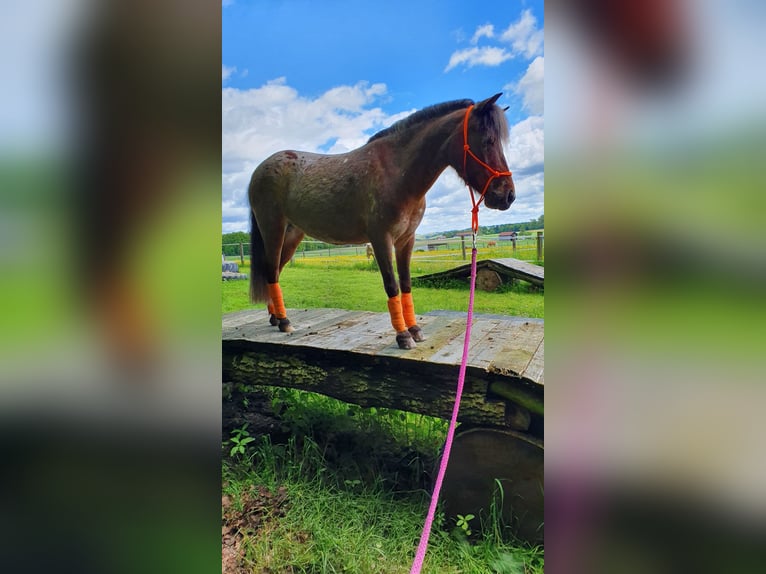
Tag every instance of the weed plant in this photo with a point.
(361, 512)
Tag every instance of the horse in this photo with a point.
(370, 252)
(376, 194)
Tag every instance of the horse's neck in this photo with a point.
(428, 150)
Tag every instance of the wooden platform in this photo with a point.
(352, 356)
(508, 267)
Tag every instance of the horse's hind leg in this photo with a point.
(274, 231)
(279, 315)
(293, 237)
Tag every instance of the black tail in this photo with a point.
(258, 289)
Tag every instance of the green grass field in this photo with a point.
(351, 282)
(339, 488)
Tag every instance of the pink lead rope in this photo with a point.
(420, 556)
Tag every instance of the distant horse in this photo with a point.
(491, 243)
(370, 252)
(375, 194)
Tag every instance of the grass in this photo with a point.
(352, 283)
(336, 488)
(343, 494)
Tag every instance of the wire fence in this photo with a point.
(523, 246)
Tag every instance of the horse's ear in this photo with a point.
(486, 104)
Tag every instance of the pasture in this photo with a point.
(343, 277)
(312, 484)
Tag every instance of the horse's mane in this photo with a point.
(494, 121)
(435, 111)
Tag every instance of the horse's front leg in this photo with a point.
(385, 262)
(403, 256)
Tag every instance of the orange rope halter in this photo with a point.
(492, 171)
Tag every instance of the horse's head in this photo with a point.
(484, 166)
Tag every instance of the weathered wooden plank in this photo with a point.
(452, 352)
(492, 345)
(534, 370)
(438, 331)
(383, 340)
(348, 333)
(254, 323)
(446, 329)
(522, 342)
(524, 269)
(498, 344)
(380, 335)
(352, 355)
(313, 327)
(231, 320)
(320, 332)
(507, 266)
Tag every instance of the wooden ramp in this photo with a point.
(352, 356)
(507, 267)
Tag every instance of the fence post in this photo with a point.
(539, 245)
(462, 245)
(513, 242)
(241, 253)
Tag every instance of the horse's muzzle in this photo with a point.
(502, 195)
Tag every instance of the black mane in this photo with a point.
(428, 113)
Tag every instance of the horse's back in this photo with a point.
(274, 176)
(277, 164)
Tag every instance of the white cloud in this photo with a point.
(484, 56)
(485, 31)
(274, 116)
(261, 121)
(524, 36)
(525, 149)
(226, 72)
(449, 204)
(531, 86)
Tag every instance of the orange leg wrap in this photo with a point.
(270, 307)
(275, 293)
(395, 310)
(408, 310)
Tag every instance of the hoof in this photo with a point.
(273, 321)
(404, 340)
(417, 333)
(285, 327)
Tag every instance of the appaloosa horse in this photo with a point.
(375, 194)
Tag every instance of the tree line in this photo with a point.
(533, 224)
(234, 239)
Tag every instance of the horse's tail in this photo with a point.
(258, 288)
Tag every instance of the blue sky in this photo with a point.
(324, 76)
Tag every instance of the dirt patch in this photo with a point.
(245, 517)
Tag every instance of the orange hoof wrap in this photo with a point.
(395, 310)
(275, 293)
(408, 310)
